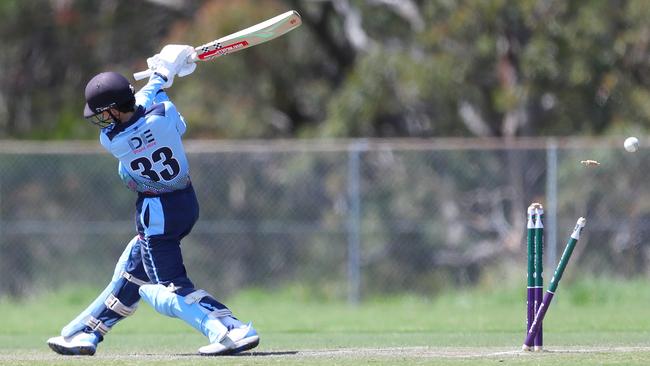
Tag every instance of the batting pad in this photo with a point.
(97, 306)
(186, 308)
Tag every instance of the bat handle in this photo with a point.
(142, 74)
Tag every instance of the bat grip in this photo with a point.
(142, 74)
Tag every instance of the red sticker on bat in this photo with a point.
(220, 51)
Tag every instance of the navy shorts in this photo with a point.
(162, 221)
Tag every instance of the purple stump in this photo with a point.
(530, 314)
(539, 339)
(539, 317)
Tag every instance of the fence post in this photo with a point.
(354, 220)
(551, 202)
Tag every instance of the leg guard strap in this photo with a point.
(116, 305)
(220, 313)
(131, 278)
(211, 304)
(195, 296)
(97, 325)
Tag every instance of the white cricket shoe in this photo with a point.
(78, 344)
(237, 340)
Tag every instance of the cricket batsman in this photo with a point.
(143, 131)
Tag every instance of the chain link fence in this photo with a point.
(343, 219)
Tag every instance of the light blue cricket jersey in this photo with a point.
(148, 146)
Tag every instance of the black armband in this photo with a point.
(161, 75)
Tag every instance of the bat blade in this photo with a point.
(251, 36)
(241, 40)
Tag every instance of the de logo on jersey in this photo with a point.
(142, 141)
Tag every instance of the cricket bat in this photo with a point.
(245, 38)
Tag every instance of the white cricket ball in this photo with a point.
(631, 144)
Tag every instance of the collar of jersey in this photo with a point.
(116, 128)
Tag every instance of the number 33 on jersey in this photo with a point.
(149, 148)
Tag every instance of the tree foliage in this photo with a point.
(378, 68)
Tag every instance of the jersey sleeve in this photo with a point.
(146, 96)
(105, 141)
(181, 126)
(161, 96)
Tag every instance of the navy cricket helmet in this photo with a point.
(107, 90)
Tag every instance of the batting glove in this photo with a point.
(172, 60)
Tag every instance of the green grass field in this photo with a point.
(600, 322)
